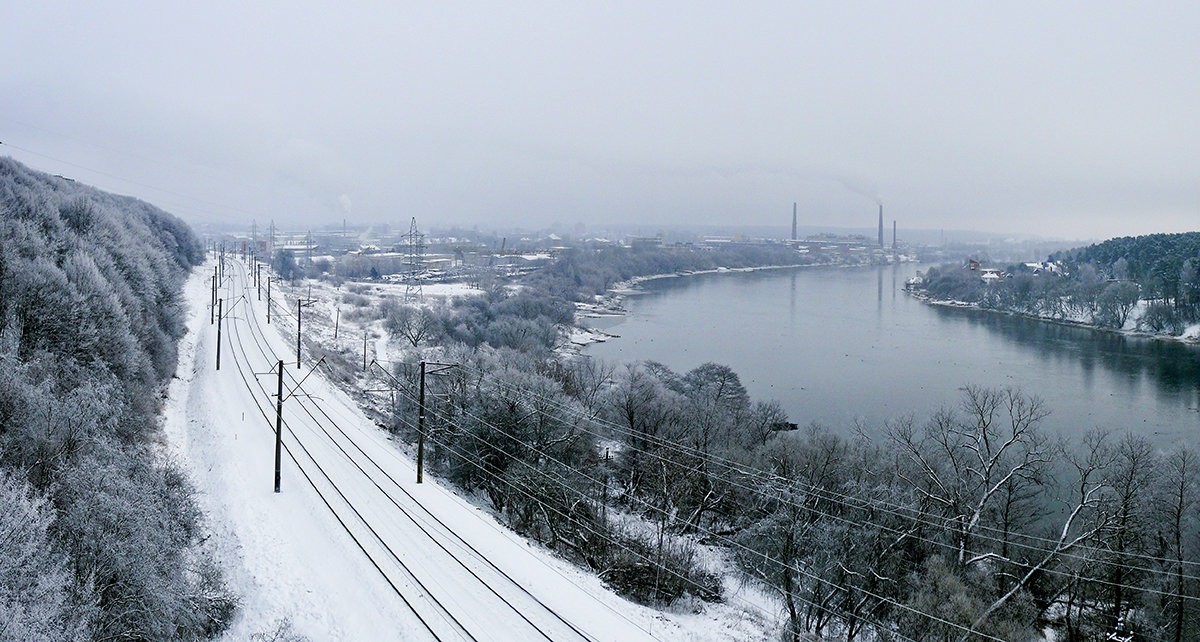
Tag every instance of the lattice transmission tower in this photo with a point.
(414, 243)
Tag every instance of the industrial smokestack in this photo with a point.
(893, 234)
(793, 221)
(881, 225)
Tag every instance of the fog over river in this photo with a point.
(838, 344)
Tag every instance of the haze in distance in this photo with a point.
(1068, 120)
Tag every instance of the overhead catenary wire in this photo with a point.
(531, 494)
(947, 546)
(442, 611)
(525, 491)
(740, 469)
(894, 531)
(767, 559)
(349, 458)
(735, 544)
(254, 326)
(337, 517)
(731, 543)
(505, 533)
(872, 504)
(931, 541)
(716, 536)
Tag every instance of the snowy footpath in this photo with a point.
(352, 548)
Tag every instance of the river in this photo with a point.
(836, 345)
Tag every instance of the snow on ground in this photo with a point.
(582, 336)
(434, 290)
(1190, 333)
(282, 553)
(294, 555)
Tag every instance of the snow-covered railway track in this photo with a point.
(418, 553)
(374, 547)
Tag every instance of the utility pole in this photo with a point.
(364, 349)
(439, 368)
(278, 423)
(268, 300)
(300, 303)
(220, 304)
(213, 307)
(421, 426)
(336, 319)
(258, 278)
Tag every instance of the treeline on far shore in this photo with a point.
(1100, 284)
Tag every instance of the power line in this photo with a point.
(711, 534)
(874, 506)
(592, 418)
(407, 514)
(870, 505)
(442, 611)
(741, 469)
(329, 506)
(948, 546)
(684, 578)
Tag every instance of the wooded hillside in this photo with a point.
(1164, 265)
(98, 533)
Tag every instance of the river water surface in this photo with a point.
(834, 345)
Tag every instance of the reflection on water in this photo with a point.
(825, 356)
(1172, 367)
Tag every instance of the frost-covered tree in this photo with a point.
(38, 597)
(89, 319)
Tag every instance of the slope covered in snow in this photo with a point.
(352, 548)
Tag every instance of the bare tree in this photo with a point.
(647, 409)
(1115, 302)
(586, 379)
(1176, 516)
(413, 323)
(963, 462)
(1129, 502)
(1085, 516)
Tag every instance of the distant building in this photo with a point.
(645, 242)
(1047, 267)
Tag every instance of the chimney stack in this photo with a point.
(793, 221)
(893, 234)
(881, 225)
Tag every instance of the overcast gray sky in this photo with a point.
(1056, 118)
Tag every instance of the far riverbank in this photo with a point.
(1190, 335)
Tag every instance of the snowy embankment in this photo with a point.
(352, 548)
(1190, 334)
